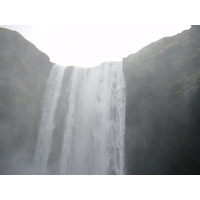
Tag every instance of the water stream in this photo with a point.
(93, 132)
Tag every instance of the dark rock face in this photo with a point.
(23, 74)
(162, 110)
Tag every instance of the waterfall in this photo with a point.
(50, 101)
(92, 139)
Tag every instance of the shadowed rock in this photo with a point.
(162, 110)
(23, 74)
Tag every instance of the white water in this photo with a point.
(93, 134)
(50, 101)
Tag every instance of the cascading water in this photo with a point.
(47, 125)
(93, 132)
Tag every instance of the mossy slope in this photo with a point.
(162, 110)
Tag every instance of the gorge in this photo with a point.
(70, 120)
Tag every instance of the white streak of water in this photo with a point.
(50, 101)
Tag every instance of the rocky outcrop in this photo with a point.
(23, 74)
(163, 109)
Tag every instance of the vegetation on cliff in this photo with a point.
(162, 110)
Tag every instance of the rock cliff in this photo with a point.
(163, 109)
(23, 74)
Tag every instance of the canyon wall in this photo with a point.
(162, 107)
(23, 74)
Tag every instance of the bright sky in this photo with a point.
(88, 47)
(86, 33)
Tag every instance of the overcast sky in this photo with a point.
(88, 32)
(88, 47)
